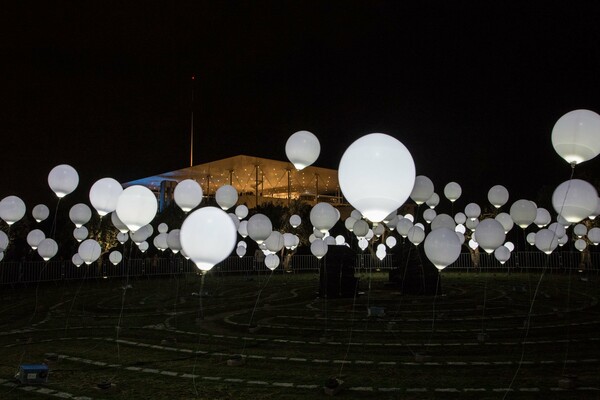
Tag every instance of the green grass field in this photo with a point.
(158, 339)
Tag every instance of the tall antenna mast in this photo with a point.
(192, 125)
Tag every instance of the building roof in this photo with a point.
(241, 172)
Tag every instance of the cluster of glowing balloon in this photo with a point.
(63, 179)
(498, 196)
(376, 175)
(226, 197)
(302, 149)
(104, 195)
(115, 257)
(80, 233)
(422, 190)
(40, 212)
(442, 247)
(523, 212)
(12, 209)
(259, 227)
(272, 261)
(208, 236)
(575, 200)
(319, 248)
(490, 235)
(47, 249)
(187, 195)
(576, 136)
(323, 216)
(136, 207)
(80, 214)
(452, 191)
(34, 238)
(89, 250)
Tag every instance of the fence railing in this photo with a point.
(40, 271)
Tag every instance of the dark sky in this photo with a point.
(472, 90)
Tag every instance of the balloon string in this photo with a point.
(568, 312)
(54, 221)
(75, 297)
(351, 329)
(123, 299)
(484, 303)
(433, 308)
(201, 317)
(255, 305)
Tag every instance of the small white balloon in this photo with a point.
(12, 209)
(187, 195)
(542, 217)
(241, 211)
(580, 230)
(390, 241)
(163, 228)
(143, 246)
(259, 227)
(272, 261)
(243, 229)
(593, 236)
(340, 240)
(89, 250)
(104, 195)
(160, 241)
(580, 244)
(174, 242)
(318, 248)
(80, 233)
(363, 243)
(80, 214)
(546, 240)
(63, 179)
(429, 215)
(136, 207)
(122, 237)
(40, 212)
(226, 197)
(523, 212)
(506, 221)
(452, 191)
(416, 235)
(323, 216)
(575, 200)
(442, 247)
(422, 189)
(531, 238)
(502, 254)
(115, 257)
(47, 249)
(433, 201)
(498, 196)
(460, 218)
(33, 239)
(576, 136)
(302, 149)
(77, 260)
(274, 242)
(295, 221)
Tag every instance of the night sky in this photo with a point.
(473, 91)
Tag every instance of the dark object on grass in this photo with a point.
(104, 385)
(415, 274)
(336, 275)
(333, 386)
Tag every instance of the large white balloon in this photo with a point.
(63, 179)
(323, 216)
(208, 236)
(47, 249)
(40, 212)
(226, 197)
(80, 214)
(576, 136)
(422, 190)
(442, 247)
(302, 149)
(498, 196)
(259, 227)
(575, 200)
(376, 175)
(523, 212)
(136, 207)
(104, 195)
(34, 238)
(452, 191)
(89, 250)
(187, 195)
(490, 235)
(12, 209)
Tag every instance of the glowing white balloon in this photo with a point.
(104, 195)
(323, 216)
(89, 250)
(460, 218)
(542, 217)
(363, 243)
(349, 223)
(575, 200)
(472, 210)
(330, 241)
(376, 175)
(4, 241)
(163, 228)
(115, 257)
(460, 228)
(340, 240)
(40, 212)
(80, 214)
(416, 235)
(433, 201)
(360, 228)
(379, 230)
(580, 230)
(144, 246)
(241, 211)
(208, 236)
(80, 233)
(118, 223)
(34, 238)
(160, 241)
(302, 149)
(473, 244)
(404, 226)
(523, 212)
(498, 196)
(506, 221)
(546, 240)
(259, 227)
(136, 207)
(441, 221)
(580, 244)
(275, 242)
(63, 179)
(240, 251)
(318, 248)
(188, 195)
(77, 260)
(47, 249)
(295, 221)
(531, 238)
(226, 197)
(422, 189)
(490, 235)
(390, 241)
(235, 219)
(452, 191)
(243, 229)
(429, 214)
(12, 209)
(272, 261)
(502, 254)
(593, 236)
(122, 237)
(356, 215)
(472, 224)
(442, 247)
(174, 240)
(576, 136)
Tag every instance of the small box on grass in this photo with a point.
(33, 373)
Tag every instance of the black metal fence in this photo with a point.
(40, 271)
